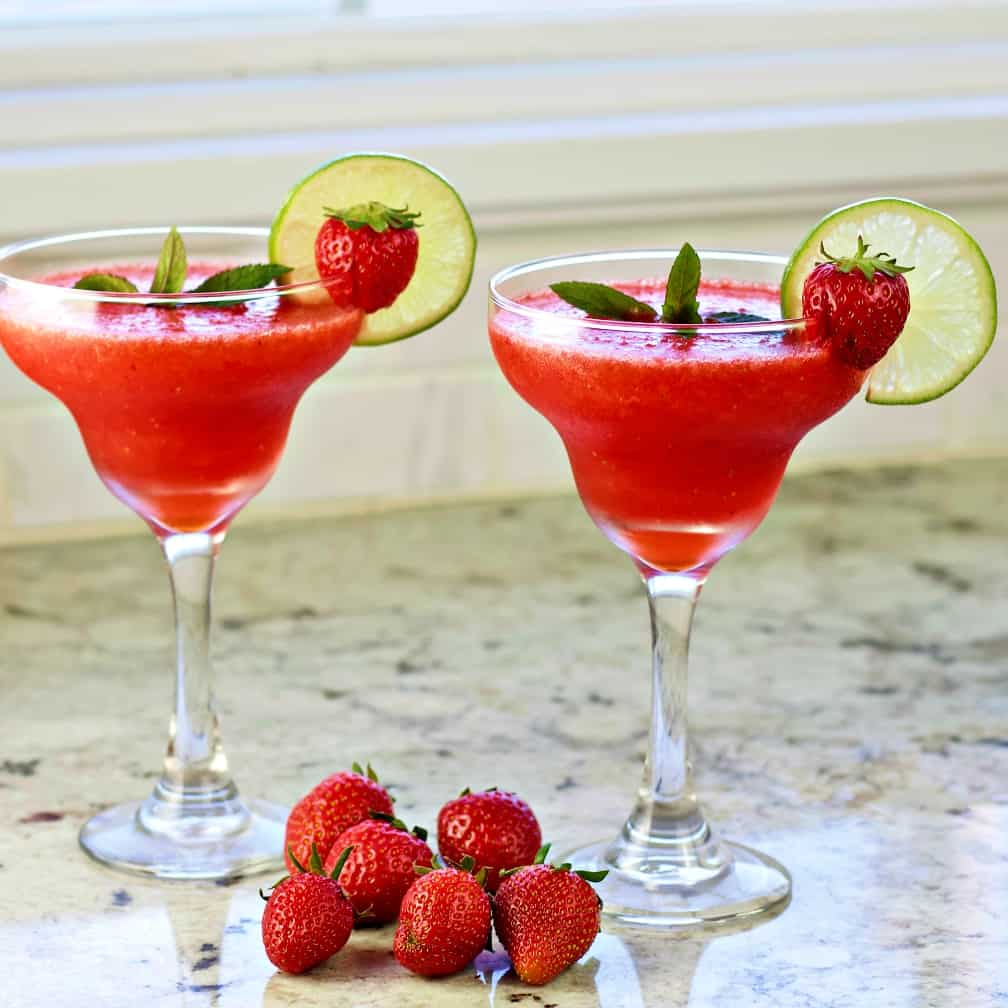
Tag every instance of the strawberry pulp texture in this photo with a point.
(677, 445)
(184, 411)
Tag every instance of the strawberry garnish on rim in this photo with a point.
(366, 254)
(882, 262)
(862, 300)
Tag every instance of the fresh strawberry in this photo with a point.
(444, 921)
(380, 868)
(495, 828)
(366, 254)
(546, 917)
(340, 801)
(862, 300)
(307, 917)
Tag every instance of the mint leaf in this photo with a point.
(603, 302)
(171, 268)
(681, 291)
(241, 278)
(170, 274)
(734, 316)
(106, 282)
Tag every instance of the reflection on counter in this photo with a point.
(876, 919)
(849, 692)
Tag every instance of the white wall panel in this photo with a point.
(732, 126)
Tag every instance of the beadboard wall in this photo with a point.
(729, 125)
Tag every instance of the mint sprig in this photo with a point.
(106, 282)
(602, 301)
(681, 305)
(172, 265)
(241, 278)
(252, 276)
(170, 276)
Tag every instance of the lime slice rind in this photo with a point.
(953, 299)
(447, 241)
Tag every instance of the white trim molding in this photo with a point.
(226, 48)
(531, 115)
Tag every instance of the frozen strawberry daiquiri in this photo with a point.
(182, 362)
(680, 401)
(677, 444)
(184, 411)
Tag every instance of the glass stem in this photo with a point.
(666, 821)
(195, 783)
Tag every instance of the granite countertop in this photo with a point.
(849, 695)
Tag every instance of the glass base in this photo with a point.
(137, 837)
(738, 885)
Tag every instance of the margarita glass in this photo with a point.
(184, 402)
(678, 437)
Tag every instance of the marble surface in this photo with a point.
(849, 698)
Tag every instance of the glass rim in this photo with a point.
(667, 255)
(182, 298)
